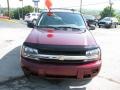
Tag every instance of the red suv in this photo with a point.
(61, 46)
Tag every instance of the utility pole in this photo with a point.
(8, 8)
(0, 9)
(22, 8)
(80, 6)
(111, 3)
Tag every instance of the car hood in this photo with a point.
(104, 21)
(60, 37)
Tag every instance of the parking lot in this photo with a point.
(12, 77)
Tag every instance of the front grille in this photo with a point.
(48, 52)
(68, 50)
(59, 62)
(63, 62)
(102, 23)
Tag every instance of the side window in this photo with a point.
(33, 15)
(28, 14)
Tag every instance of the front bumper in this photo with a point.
(78, 71)
(105, 25)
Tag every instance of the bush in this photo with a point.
(17, 14)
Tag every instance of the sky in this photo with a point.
(87, 4)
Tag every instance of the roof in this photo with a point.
(61, 10)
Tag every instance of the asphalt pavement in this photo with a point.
(12, 36)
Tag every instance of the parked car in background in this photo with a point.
(61, 46)
(31, 18)
(108, 22)
(91, 21)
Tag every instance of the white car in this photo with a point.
(31, 18)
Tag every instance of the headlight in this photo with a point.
(28, 51)
(94, 54)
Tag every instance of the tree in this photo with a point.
(118, 17)
(107, 12)
(16, 14)
(27, 9)
(18, 11)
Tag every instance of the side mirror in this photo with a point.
(90, 26)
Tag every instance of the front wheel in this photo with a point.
(34, 21)
(27, 74)
(115, 25)
(99, 26)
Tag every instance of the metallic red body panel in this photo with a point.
(78, 71)
(61, 37)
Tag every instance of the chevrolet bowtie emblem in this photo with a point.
(61, 58)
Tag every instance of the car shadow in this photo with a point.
(10, 64)
(61, 84)
(10, 67)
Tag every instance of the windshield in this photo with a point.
(106, 19)
(61, 19)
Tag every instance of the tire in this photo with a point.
(99, 26)
(115, 25)
(30, 25)
(26, 73)
(34, 21)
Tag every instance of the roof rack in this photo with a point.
(61, 9)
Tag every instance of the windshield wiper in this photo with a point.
(69, 27)
(47, 26)
(74, 28)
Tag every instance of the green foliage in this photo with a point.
(118, 17)
(18, 12)
(107, 12)
(27, 9)
(5, 13)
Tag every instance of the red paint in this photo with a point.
(49, 13)
(4, 17)
(61, 38)
(50, 31)
(64, 70)
(50, 35)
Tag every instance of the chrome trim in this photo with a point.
(61, 57)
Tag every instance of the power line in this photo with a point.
(95, 4)
(88, 4)
(80, 6)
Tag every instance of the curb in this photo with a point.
(7, 20)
